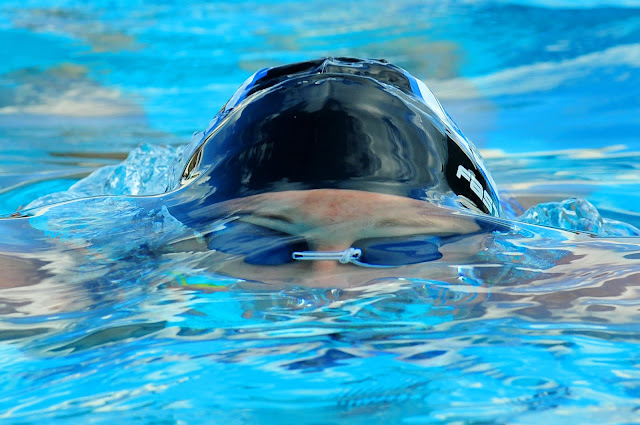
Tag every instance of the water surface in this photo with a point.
(543, 327)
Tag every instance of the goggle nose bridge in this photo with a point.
(344, 257)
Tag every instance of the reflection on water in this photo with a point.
(401, 348)
(103, 319)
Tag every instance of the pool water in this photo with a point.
(541, 326)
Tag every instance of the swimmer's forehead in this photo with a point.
(354, 212)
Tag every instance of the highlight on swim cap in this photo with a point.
(338, 123)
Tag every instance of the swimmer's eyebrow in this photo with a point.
(277, 222)
(419, 222)
(270, 216)
(404, 221)
(436, 225)
(403, 225)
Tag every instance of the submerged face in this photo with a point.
(323, 168)
(258, 238)
(337, 124)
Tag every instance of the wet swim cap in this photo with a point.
(338, 123)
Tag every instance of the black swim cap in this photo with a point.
(338, 123)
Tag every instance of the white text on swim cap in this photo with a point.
(477, 188)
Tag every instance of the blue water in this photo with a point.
(540, 327)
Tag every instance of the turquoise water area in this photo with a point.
(540, 325)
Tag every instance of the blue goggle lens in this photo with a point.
(266, 247)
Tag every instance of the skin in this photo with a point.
(332, 220)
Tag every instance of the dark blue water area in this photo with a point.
(111, 311)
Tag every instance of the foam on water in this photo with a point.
(148, 170)
(576, 214)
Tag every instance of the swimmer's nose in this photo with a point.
(327, 268)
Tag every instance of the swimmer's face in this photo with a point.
(311, 154)
(331, 220)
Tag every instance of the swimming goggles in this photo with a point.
(266, 247)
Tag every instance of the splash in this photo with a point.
(130, 229)
(148, 170)
(576, 214)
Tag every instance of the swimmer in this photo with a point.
(336, 170)
(332, 173)
(341, 123)
(338, 173)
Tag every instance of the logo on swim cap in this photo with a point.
(476, 187)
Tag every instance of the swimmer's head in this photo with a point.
(338, 123)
